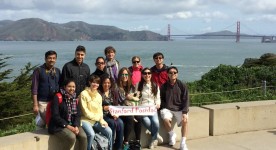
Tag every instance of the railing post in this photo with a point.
(264, 87)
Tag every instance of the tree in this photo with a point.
(15, 95)
(4, 74)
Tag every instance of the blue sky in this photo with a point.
(184, 16)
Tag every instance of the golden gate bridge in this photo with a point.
(238, 35)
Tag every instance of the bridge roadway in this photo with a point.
(255, 140)
(233, 35)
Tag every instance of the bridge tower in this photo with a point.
(238, 34)
(169, 32)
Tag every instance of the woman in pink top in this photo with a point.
(135, 70)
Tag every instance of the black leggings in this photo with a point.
(129, 123)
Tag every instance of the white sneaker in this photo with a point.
(159, 138)
(183, 146)
(147, 132)
(172, 139)
(153, 143)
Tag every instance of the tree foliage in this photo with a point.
(15, 95)
(232, 78)
(4, 74)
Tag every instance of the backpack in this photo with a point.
(48, 108)
(100, 142)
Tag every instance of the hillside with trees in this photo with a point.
(34, 29)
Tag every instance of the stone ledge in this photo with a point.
(241, 117)
(214, 119)
(40, 139)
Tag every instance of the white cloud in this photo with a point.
(141, 14)
(269, 18)
(179, 15)
(139, 28)
(258, 6)
(16, 4)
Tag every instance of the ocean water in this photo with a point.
(192, 57)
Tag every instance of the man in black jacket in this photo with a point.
(175, 103)
(77, 70)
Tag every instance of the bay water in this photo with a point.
(193, 57)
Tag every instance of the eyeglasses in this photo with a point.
(158, 58)
(173, 72)
(100, 63)
(124, 75)
(145, 73)
(136, 62)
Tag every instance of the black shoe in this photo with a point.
(134, 145)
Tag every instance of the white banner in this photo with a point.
(132, 110)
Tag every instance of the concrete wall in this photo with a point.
(210, 120)
(198, 126)
(241, 117)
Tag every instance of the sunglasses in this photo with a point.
(136, 62)
(100, 63)
(158, 58)
(146, 73)
(124, 75)
(173, 72)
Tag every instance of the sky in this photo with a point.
(257, 17)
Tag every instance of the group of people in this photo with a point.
(86, 98)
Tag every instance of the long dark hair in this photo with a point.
(142, 82)
(120, 82)
(102, 81)
(112, 89)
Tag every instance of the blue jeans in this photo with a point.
(97, 127)
(117, 126)
(152, 124)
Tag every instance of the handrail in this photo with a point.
(16, 116)
(226, 91)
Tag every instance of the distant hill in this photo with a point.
(34, 29)
(225, 34)
(5, 22)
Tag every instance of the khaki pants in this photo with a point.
(42, 112)
(67, 139)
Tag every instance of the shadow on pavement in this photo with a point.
(274, 132)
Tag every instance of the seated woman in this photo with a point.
(150, 96)
(65, 118)
(92, 113)
(126, 94)
(110, 97)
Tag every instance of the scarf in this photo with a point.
(112, 68)
(71, 103)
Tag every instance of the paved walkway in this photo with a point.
(257, 140)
